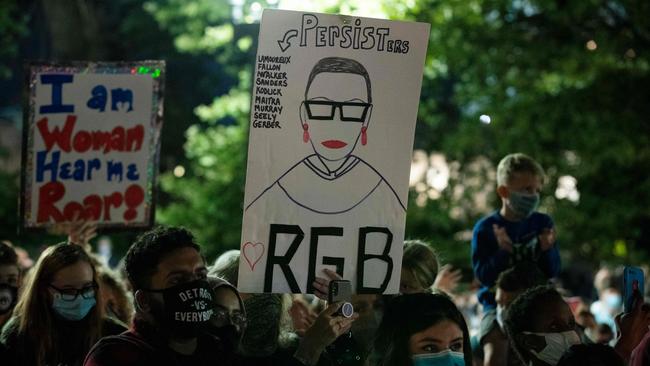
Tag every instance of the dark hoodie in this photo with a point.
(227, 333)
(69, 348)
(260, 344)
(143, 345)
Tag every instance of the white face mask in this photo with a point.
(591, 334)
(500, 312)
(556, 345)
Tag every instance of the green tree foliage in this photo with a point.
(208, 198)
(564, 81)
(12, 27)
(561, 81)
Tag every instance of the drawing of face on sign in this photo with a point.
(334, 116)
(333, 113)
(337, 108)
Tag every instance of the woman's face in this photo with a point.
(228, 310)
(439, 337)
(335, 139)
(74, 277)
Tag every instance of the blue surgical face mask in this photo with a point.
(613, 301)
(73, 310)
(523, 204)
(444, 358)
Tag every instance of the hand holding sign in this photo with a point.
(333, 115)
(78, 231)
(322, 285)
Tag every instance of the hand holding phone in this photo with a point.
(341, 291)
(633, 323)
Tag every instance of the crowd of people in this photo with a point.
(165, 305)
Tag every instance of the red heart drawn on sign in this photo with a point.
(253, 253)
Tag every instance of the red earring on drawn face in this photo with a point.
(364, 136)
(305, 132)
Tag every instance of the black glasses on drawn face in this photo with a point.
(325, 110)
(70, 294)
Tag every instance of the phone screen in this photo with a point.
(339, 290)
(633, 280)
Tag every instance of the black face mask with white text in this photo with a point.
(8, 298)
(186, 309)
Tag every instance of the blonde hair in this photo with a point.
(517, 163)
(111, 284)
(421, 261)
(226, 266)
(34, 315)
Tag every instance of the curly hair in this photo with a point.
(522, 276)
(150, 249)
(521, 312)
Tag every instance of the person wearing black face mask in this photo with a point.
(9, 282)
(174, 304)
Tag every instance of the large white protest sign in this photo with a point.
(91, 143)
(333, 116)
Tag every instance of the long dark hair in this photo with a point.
(409, 314)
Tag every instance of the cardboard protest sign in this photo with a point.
(91, 142)
(333, 114)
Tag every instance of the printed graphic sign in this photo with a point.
(333, 116)
(91, 141)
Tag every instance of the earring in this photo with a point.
(305, 132)
(364, 136)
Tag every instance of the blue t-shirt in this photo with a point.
(488, 260)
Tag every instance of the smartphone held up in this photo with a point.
(633, 281)
(341, 291)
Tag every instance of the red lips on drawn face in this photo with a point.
(334, 144)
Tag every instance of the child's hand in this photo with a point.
(447, 279)
(547, 239)
(302, 315)
(503, 239)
